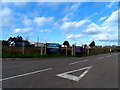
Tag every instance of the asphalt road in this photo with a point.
(99, 71)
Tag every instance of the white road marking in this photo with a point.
(115, 54)
(100, 58)
(25, 74)
(72, 77)
(78, 62)
(108, 56)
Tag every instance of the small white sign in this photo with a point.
(67, 75)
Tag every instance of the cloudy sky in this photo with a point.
(80, 22)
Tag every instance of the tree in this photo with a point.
(92, 44)
(14, 39)
(85, 46)
(19, 39)
(10, 39)
(66, 43)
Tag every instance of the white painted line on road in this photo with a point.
(25, 74)
(100, 58)
(67, 75)
(108, 56)
(115, 54)
(78, 62)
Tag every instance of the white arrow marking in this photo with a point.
(72, 77)
(78, 62)
(100, 58)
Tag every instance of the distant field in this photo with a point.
(31, 52)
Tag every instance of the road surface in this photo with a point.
(98, 71)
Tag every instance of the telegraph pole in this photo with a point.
(74, 46)
(37, 40)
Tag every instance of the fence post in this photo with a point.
(72, 50)
(23, 47)
(88, 51)
(41, 50)
(66, 50)
(45, 50)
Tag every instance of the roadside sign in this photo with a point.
(53, 48)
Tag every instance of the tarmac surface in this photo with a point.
(98, 71)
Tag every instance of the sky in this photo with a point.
(76, 22)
